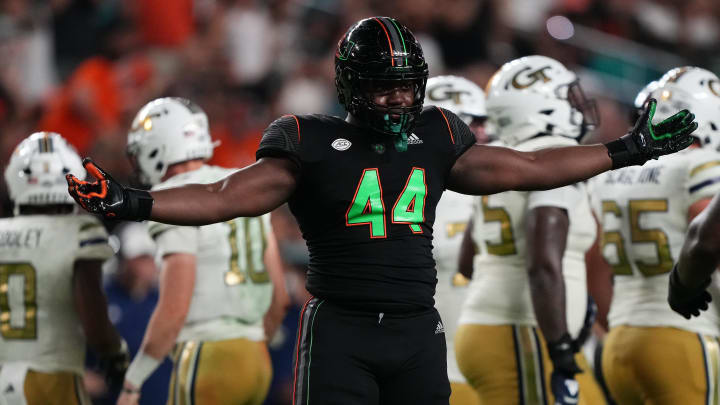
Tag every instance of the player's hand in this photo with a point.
(686, 301)
(647, 141)
(562, 380)
(130, 395)
(115, 364)
(565, 389)
(107, 197)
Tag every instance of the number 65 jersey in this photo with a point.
(367, 209)
(38, 322)
(232, 288)
(643, 212)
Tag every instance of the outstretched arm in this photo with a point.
(488, 169)
(251, 191)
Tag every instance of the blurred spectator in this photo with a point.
(163, 23)
(92, 104)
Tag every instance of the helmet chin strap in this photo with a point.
(401, 142)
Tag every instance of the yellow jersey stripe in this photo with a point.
(707, 165)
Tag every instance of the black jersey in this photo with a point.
(365, 209)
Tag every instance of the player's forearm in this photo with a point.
(467, 252)
(91, 306)
(249, 192)
(699, 258)
(547, 290)
(555, 167)
(162, 332)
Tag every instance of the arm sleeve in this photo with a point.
(93, 240)
(704, 178)
(461, 135)
(178, 239)
(563, 197)
(281, 139)
(135, 240)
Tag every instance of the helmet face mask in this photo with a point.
(35, 175)
(164, 132)
(589, 115)
(379, 53)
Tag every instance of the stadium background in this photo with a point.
(84, 67)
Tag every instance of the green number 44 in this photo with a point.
(367, 206)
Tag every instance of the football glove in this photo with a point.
(562, 380)
(107, 197)
(647, 141)
(685, 301)
(114, 365)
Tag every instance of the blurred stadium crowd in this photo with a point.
(83, 68)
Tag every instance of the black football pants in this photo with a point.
(349, 357)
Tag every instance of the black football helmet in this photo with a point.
(371, 53)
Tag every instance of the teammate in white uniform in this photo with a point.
(51, 298)
(467, 101)
(644, 213)
(216, 282)
(529, 269)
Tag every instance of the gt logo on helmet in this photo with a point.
(436, 94)
(532, 76)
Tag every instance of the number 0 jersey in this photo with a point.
(232, 287)
(365, 209)
(38, 322)
(643, 212)
(500, 289)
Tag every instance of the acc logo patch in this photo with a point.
(341, 144)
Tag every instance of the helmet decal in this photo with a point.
(714, 87)
(535, 76)
(445, 92)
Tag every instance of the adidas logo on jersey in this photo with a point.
(414, 140)
(439, 328)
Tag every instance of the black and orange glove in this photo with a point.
(647, 141)
(107, 197)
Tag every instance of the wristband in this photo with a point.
(624, 152)
(140, 369)
(140, 204)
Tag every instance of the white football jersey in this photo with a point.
(500, 290)
(643, 212)
(232, 286)
(451, 218)
(38, 322)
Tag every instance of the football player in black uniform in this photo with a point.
(364, 191)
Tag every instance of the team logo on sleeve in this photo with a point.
(341, 144)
